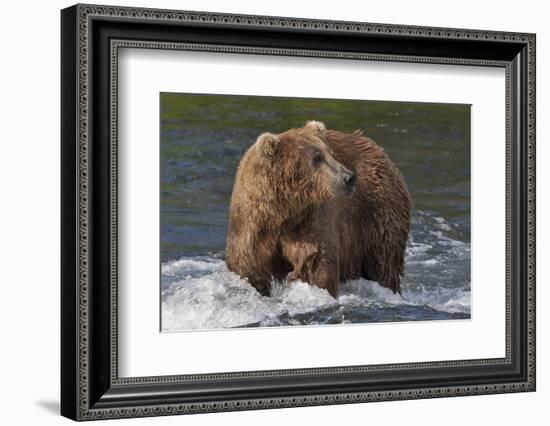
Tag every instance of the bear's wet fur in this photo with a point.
(319, 206)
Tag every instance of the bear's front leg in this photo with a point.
(262, 285)
(324, 273)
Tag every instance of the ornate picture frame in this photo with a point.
(91, 37)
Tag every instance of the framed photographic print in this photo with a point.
(263, 212)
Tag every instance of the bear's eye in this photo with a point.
(318, 158)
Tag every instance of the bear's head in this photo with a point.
(303, 167)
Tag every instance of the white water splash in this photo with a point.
(220, 299)
(176, 267)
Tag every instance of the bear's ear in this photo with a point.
(316, 126)
(267, 144)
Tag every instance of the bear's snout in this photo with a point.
(350, 178)
(346, 181)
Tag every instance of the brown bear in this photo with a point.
(320, 206)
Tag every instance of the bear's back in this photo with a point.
(377, 214)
